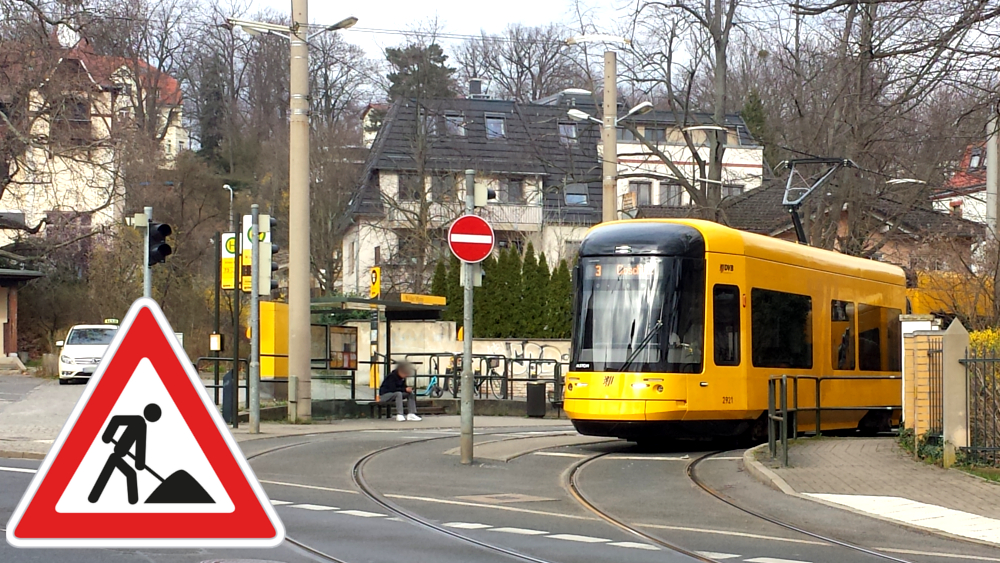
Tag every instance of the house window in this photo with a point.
(411, 187)
(71, 119)
(443, 188)
(976, 160)
(511, 191)
(455, 124)
(576, 194)
(671, 195)
(624, 135)
(730, 190)
(643, 192)
(496, 127)
(350, 257)
(512, 241)
(567, 133)
(428, 123)
(170, 147)
(655, 135)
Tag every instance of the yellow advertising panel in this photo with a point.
(375, 291)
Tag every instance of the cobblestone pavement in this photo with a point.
(878, 467)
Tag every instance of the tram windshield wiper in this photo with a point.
(642, 345)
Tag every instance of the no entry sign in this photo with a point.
(471, 238)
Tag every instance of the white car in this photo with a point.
(82, 351)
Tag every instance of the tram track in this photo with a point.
(571, 481)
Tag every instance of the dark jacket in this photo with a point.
(392, 384)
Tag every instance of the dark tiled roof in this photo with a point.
(531, 147)
(761, 211)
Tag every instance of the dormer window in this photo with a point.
(576, 194)
(455, 124)
(567, 133)
(976, 160)
(496, 127)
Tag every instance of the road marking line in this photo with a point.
(716, 555)
(18, 470)
(936, 554)
(955, 522)
(494, 506)
(730, 458)
(650, 457)
(466, 525)
(635, 545)
(313, 487)
(280, 502)
(316, 507)
(521, 531)
(559, 454)
(576, 538)
(362, 513)
(729, 533)
(773, 560)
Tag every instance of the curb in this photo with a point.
(17, 454)
(767, 477)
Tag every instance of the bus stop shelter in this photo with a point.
(390, 308)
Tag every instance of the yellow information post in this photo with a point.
(375, 291)
(228, 264)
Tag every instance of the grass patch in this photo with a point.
(988, 473)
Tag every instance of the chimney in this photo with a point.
(956, 207)
(476, 89)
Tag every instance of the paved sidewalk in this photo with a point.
(33, 411)
(874, 476)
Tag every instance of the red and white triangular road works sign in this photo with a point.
(145, 459)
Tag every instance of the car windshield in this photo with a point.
(91, 336)
(642, 314)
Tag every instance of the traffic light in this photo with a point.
(158, 247)
(267, 223)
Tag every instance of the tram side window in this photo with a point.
(726, 320)
(780, 329)
(842, 332)
(879, 338)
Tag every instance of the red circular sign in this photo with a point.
(471, 238)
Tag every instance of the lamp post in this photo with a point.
(299, 333)
(609, 139)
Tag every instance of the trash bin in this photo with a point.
(536, 399)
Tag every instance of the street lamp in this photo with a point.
(232, 218)
(609, 140)
(299, 332)
(579, 115)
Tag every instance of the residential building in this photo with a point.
(644, 179)
(78, 119)
(543, 167)
(964, 194)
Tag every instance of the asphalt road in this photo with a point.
(517, 501)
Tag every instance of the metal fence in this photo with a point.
(935, 369)
(982, 369)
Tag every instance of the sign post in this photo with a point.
(471, 239)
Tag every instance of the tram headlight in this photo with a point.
(640, 386)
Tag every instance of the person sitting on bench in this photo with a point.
(394, 389)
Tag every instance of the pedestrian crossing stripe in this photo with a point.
(145, 403)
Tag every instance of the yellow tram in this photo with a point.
(678, 324)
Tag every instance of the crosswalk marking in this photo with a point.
(520, 531)
(316, 507)
(574, 537)
(466, 525)
(716, 555)
(18, 470)
(280, 502)
(650, 457)
(773, 560)
(559, 454)
(362, 513)
(635, 545)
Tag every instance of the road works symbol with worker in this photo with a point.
(145, 459)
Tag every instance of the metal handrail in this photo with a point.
(781, 421)
(216, 386)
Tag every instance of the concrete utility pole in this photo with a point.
(992, 161)
(466, 441)
(298, 215)
(255, 320)
(610, 139)
(147, 270)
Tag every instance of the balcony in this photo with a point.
(406, 214)
(512, 217)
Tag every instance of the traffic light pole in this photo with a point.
(147, 270)
(255, 320)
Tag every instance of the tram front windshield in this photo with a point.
(639, 314)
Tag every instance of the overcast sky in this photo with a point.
(457, 16)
